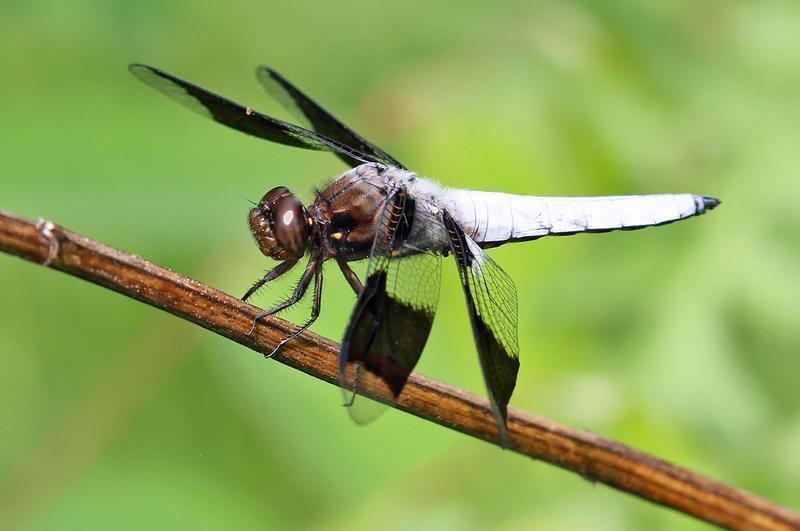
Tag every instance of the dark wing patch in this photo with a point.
(394, 313)
(242, 118)
(320, 120)
(492, 305)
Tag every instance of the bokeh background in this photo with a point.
(681, 340)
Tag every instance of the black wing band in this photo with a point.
(394, 313)
(242, 118)
(320, 120)
(492, 305)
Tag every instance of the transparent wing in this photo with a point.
(492, 305)
(242, 118)
(320, 120)
(394, 312)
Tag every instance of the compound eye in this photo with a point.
(274, 194)
(289, 224)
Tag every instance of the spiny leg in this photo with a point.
(277, 271)
(315, 308)
(350, 275)
(350, 401)
(299, 291)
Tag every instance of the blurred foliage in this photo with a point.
(681, 340)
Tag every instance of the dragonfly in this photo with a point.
(402, 224)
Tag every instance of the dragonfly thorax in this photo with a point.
(280, 224)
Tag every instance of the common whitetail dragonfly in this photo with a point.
(403, 224)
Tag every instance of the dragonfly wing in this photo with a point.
(317, 118)
(394, 313)
(243, 118)
(492, 305)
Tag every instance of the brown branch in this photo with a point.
(591, 456)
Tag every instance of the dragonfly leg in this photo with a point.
(315, 308)
(350, 275)
(299, 291)
(351, 400)
(277, 271)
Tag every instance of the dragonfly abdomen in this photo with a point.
(493, 218)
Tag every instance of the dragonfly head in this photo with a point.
(280, 224)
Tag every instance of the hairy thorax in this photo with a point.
(346, 213)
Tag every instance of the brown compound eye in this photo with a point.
(279, 224)
(274, 194)
(289, 224)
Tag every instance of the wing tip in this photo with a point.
(133, 68)
(264, 71)
(144, 72)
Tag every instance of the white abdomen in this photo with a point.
(495, 218)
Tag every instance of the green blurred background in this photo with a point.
(681, 340)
